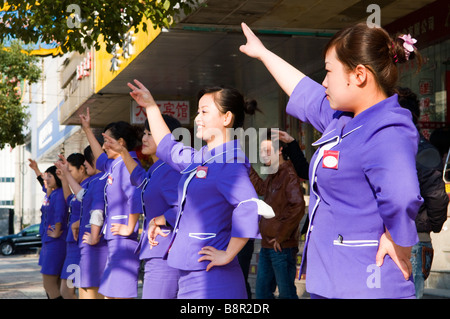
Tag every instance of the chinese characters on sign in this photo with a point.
(84, 68)
(176, 109)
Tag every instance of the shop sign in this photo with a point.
(85, 67)
(428, 25)
(175, 108)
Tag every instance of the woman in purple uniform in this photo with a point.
(92, 245)
(70, 271)
(39, 176)
(364, 189)
(120, 226)
(53, 250)
(217, 204)
(156, 192)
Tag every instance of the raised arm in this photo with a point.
(60, 172)
(63, 169)
(155, 120)
(34, 166)
(284, 73)
(86, 125)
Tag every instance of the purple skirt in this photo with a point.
(92, 264)
(220, 282)
(71, 262)
(120, 277)
(160, 280)
(52, 257)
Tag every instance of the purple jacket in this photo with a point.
(156, 193)
(214, 200)
(93, 198)
(74, 211)
(118, 194)
(363, 180)
(55, 212)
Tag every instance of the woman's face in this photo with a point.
(78, 174)
(50, 180)
(109, 152)
(338, 92)
(89, 169)
(209, 120)
(148, 143)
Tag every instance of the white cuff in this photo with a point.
(96, 217)
(80, 194)
(264, 209)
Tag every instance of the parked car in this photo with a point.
(27, 238)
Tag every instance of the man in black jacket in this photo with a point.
(433, 213)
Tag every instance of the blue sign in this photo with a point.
(50, 133)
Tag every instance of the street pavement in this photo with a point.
(20, 277)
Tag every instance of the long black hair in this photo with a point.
(52, 170)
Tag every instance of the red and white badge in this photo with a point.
(330, 159)
(110, 180)
(202, 171)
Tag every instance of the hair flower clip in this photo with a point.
(408, 45)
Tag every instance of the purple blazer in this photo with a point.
(93, 198)
(55, 212)
(156, 193)
(74, 211)
(363, 181)
(118, 194)
(214, 200)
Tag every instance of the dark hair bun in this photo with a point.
(399, 52)
(250, 107)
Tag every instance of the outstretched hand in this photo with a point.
(254, 47)
(112, 144)
(61, 165)
(85, 119)
(141, 94)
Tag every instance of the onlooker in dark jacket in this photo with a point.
(280, 234)
(433, 213)
(294, 153)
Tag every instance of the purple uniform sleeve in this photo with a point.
(138, 176)
(60, 208)
(237, 189)
(98, 195)
(308, 103)
(394, 181)
(174, 153)
(171, 216)
(136, 207)
(103, 162)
